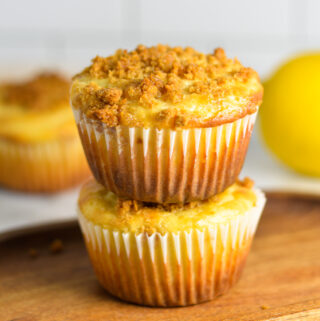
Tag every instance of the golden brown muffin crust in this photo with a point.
(171, 84)
(44, 91)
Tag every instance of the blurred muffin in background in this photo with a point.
(40, 150)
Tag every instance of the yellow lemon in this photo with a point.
(290, 114)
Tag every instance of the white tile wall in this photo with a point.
(60, 15)
(223, 17)
(313, 21)
(68, 33)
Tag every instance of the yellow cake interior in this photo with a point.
(105, 209)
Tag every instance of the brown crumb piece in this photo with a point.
(103, 103)
(246, 182)
(56, 246)
(125, 206)
(264, 307)
(33, 253)
(44, 91)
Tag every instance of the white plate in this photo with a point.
(21, 210)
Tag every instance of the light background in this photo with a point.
(37, 34)
(68, 33)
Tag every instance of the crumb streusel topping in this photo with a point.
(44, 91)
(166, 87)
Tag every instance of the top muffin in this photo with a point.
(166, 87)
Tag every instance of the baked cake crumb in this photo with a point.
(33, 253)
(56, 246)
(246, 182)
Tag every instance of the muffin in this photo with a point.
(40, 149)
(169, 254)
(165, 124)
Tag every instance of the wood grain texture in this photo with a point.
(281, 280)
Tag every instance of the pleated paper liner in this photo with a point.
(42, 167)
(174, 269)
(165, 166)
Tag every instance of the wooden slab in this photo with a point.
(281, 280)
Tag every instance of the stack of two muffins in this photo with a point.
(165, 131)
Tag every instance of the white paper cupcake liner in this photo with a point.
(165, 166)
(42, 167)
(174, 269)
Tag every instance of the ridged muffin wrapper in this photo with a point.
(173, 269)
(165, 165)
(42, 167)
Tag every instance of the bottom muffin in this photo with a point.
(169, 255)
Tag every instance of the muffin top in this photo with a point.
(166, 87)
(105, 209)
(37, 109)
